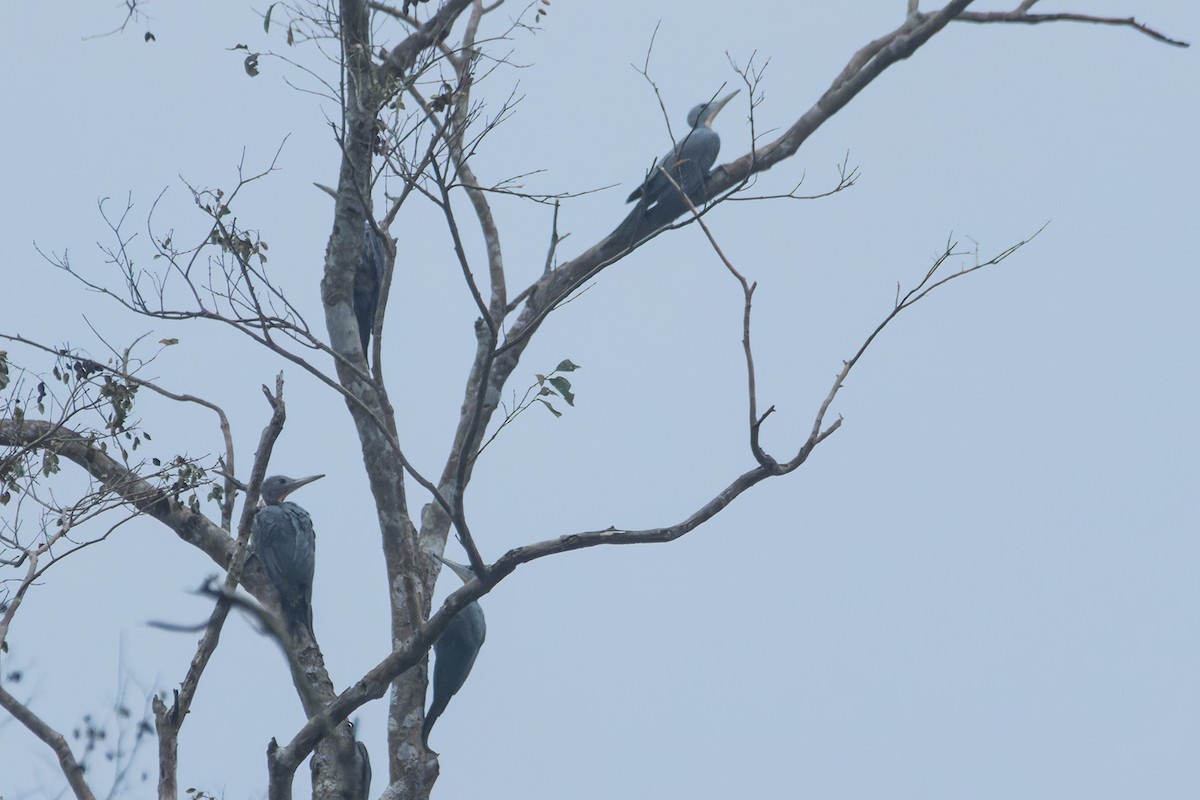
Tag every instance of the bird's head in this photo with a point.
(276, 488)
(702, 116)
(461, 570)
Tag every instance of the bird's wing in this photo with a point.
(701, 147)
(654, 183)
(267, 532)
(282, 537)
(455, 651)
(367, 282)
(303, 550)
(374, 253)
(284, 541)
(641, 189)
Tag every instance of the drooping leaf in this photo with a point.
(566, 365)
(267, 18)
(564, 388)
(553, 410)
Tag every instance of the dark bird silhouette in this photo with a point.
(364, 771)
(368, 280)
(454, 652)
(688, 162)
(283, 540)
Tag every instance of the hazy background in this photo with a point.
(983, 585)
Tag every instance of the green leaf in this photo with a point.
(564, 387)
(267, 19)
(553, 410)
(566, 365)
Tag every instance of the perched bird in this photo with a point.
(364, 771)
(688, 162)
(454, 652)
(368, 280)
(282, 538)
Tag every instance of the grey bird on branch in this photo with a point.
(283, 540)
(454, 652)
(368, 280)
(688, 162)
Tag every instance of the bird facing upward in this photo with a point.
(688, 162)
(283, 539)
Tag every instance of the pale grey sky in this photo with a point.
(982, 586)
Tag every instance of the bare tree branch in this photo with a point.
(375, 682)
(169, 721)
(1020, 16)
(371, 81)
(53, 739)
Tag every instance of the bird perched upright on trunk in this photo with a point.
(368, 280)
(687, 162)
(283, 540)
(454, 652)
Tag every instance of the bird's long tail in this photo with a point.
(435, 711)
(299, 617)
(626, 233)
(645, 219)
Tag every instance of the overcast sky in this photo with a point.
(982, 586)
